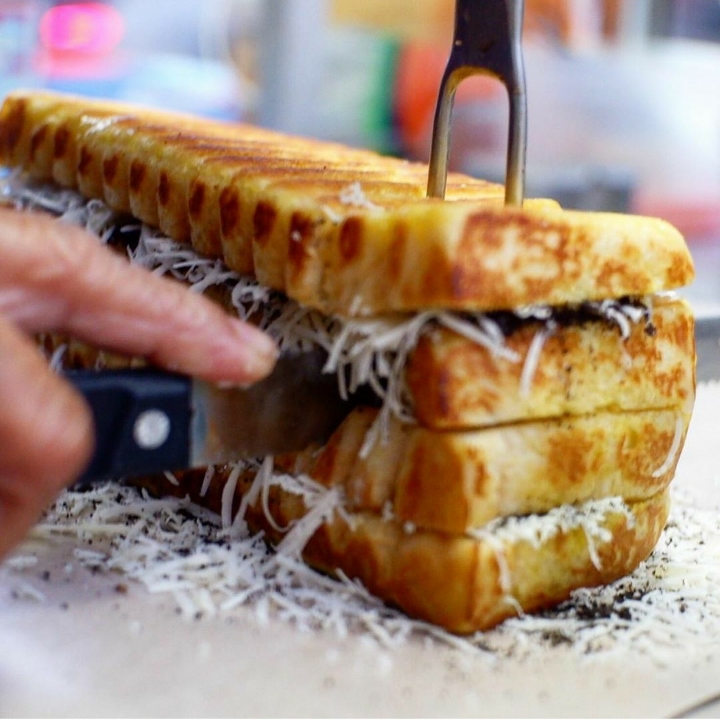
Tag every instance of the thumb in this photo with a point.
(45, 434)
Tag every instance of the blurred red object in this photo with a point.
(420, 69)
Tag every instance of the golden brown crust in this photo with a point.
(461, 583)
(583, 368)
(461, 256)
(455, 481)
(456, 582)
(283, 215)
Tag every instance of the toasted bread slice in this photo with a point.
(346, 231)
(463, 583)
(456, 481)
(582, 367)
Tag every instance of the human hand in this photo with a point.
(55, 277)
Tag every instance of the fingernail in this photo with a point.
(261, 350)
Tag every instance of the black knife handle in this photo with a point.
(142, 421)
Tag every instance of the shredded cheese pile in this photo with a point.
(175, 548)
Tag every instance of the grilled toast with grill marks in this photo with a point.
(346, 231)
(349, 232)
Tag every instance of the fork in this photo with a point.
(487, 39)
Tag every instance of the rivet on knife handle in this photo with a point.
(487, 39)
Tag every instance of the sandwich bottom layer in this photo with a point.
(463, 583)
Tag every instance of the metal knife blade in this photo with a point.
(707, 342)
(296, 405)
(149, 421)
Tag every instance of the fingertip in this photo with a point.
(258, 350)
(225, 350)
(46, 435)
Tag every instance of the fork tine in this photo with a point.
(437, 173)
(487, 39)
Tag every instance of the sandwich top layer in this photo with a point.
(346, 231)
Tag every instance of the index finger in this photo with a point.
(55, 277)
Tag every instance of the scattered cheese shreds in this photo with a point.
(320, 511)
(22, 562)
(172, 546)
(538, 529)
(25, 591)
(207, 480)
(532, 359)
(355, 196)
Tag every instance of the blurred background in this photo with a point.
(624, 95)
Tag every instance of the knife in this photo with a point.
(149, 420)
(707, 344)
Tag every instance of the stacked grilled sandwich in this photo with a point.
(527, 378)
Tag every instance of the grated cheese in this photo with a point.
(355, 196)
(532, 358)
(173, 547)
(321, 509)
(24, 590)
(170, 477)
(22, 562)
(57, 358)
(228, 494)
(207, 480)
(539, 529)
(486, 333)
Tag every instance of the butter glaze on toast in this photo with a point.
(283, 212)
